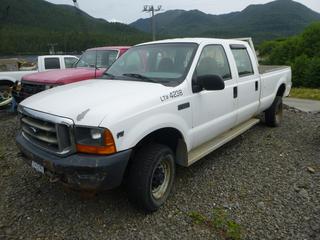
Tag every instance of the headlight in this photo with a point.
(50, 86)
(94, 140)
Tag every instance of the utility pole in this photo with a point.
(76, 4)
(152, 9)
(51, 48)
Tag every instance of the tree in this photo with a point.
(301, 52)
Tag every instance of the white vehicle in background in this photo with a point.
(12, 72)
(159, 105)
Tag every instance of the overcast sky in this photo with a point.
(127, 11)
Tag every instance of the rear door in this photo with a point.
(214, 111)
(248, 79)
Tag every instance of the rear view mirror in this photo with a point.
(210, 82)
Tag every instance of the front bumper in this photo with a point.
(26, 89)
(19, 96)
(79, 171)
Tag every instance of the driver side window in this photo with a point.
(213, 61)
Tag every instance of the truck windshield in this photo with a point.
(165, 63)
(97, 58)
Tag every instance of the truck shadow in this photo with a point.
(33, 188)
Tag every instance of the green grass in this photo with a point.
(306, 93)
(219, 223)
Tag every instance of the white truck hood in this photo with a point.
(89, 102)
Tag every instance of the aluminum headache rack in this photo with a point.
(250, 42)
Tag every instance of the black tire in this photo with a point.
(274, 114)
(5, 95)
(151, 165)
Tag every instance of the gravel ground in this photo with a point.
(267, 180)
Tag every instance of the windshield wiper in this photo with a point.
(109, 75)
(139, 76)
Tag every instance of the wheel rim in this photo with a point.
(160, 178)
(279, 113)
(5, 95)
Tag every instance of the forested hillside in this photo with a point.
(301, 52)
(28, 26)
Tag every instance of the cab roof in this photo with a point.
(110, 48)
(196, 40)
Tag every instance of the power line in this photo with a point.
(152, 9)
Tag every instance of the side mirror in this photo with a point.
(208, 82)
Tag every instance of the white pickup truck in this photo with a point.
(160, 104)
(44, 63)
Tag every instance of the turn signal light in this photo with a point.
(109, 146)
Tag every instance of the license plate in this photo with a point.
(37, 167)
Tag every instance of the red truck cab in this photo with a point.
(92, 64)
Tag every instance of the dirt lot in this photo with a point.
(264, 184)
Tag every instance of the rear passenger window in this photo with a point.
(52, 63)
(213, 61)
(243, 61)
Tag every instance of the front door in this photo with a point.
(213, 111)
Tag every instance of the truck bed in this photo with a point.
(270, 68)
(270, 77)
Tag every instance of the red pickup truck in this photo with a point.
(92, 64)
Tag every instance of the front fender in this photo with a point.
(140, 129)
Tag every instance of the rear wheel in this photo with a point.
(274, 114)
(5, 95)
(151, 177)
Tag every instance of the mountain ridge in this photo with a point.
(40, 13)
(268, 21)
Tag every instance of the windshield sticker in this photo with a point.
(171, 95)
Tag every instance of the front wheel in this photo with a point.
(274, 114)
(151, 177)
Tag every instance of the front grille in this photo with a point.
(48, 135)
(31, 89)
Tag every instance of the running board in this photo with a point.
(208, 147)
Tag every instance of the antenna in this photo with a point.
(76, 4)
(152, 9)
